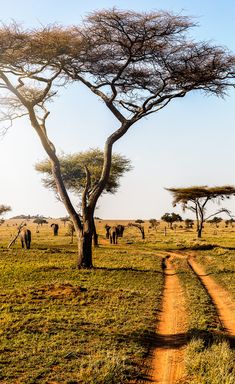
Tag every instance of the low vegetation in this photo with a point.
(220, 263)
(208, 356)
(64, 325)
(59, 324)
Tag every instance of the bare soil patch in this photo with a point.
(57, 291)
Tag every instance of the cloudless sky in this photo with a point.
(190, 142)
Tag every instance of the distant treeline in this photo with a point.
(28, 217)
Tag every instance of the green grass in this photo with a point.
(202, 313)
(62, 325)
(59, 324)
(220, 263)
(210, 364)
(208, 356)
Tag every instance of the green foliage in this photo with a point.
(185, 195)
(196, 198)
(171, 217)
(215, 220)
(40, 221)
(74, 174)
(154, 223)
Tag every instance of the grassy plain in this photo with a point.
(62, 325)
(220, 262)
(209, 358)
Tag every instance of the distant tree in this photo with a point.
(189, 223)
(196, 198)
(64, 219)
(216, 220)
(139, 221)
(229, 222)
(171, 218)
(40, 221)
(137, 63)
(154, 223)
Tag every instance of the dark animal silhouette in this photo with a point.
(113, 235)
(55, 228)
(107, 228)
(25, 237)
(120, 229)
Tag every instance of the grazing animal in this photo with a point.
(120, 230)
(25, 238)
(55, 228)
(107, 228)
(113, 235)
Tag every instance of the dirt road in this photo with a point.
(221, 298)
(168, 365)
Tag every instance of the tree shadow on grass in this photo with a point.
(150, 340)
(126, 269)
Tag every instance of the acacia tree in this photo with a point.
(154, 224)
(74, 168)
(135, 62)
(215, 221)
(171, 218)
(196, 199)
(64, 219)
(40, 221)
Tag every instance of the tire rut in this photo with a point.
(221, 298)
(171, 338)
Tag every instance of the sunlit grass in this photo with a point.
(208, 357)
(62, 325)
(59, 324)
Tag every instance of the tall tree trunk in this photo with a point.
(199, 230)
(95, 235)
(85, 238)
(85, 250)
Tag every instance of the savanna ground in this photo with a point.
(63, 325)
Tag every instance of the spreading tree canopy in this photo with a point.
(74, 169)
(135, 62)
(196, 199)
(171, 218)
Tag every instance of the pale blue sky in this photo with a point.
(191, 142)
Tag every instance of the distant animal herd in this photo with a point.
(112, 233)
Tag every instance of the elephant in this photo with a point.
(120, 230)
(55, 228)
(25, 238)
(107, 228)
(113, 235)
